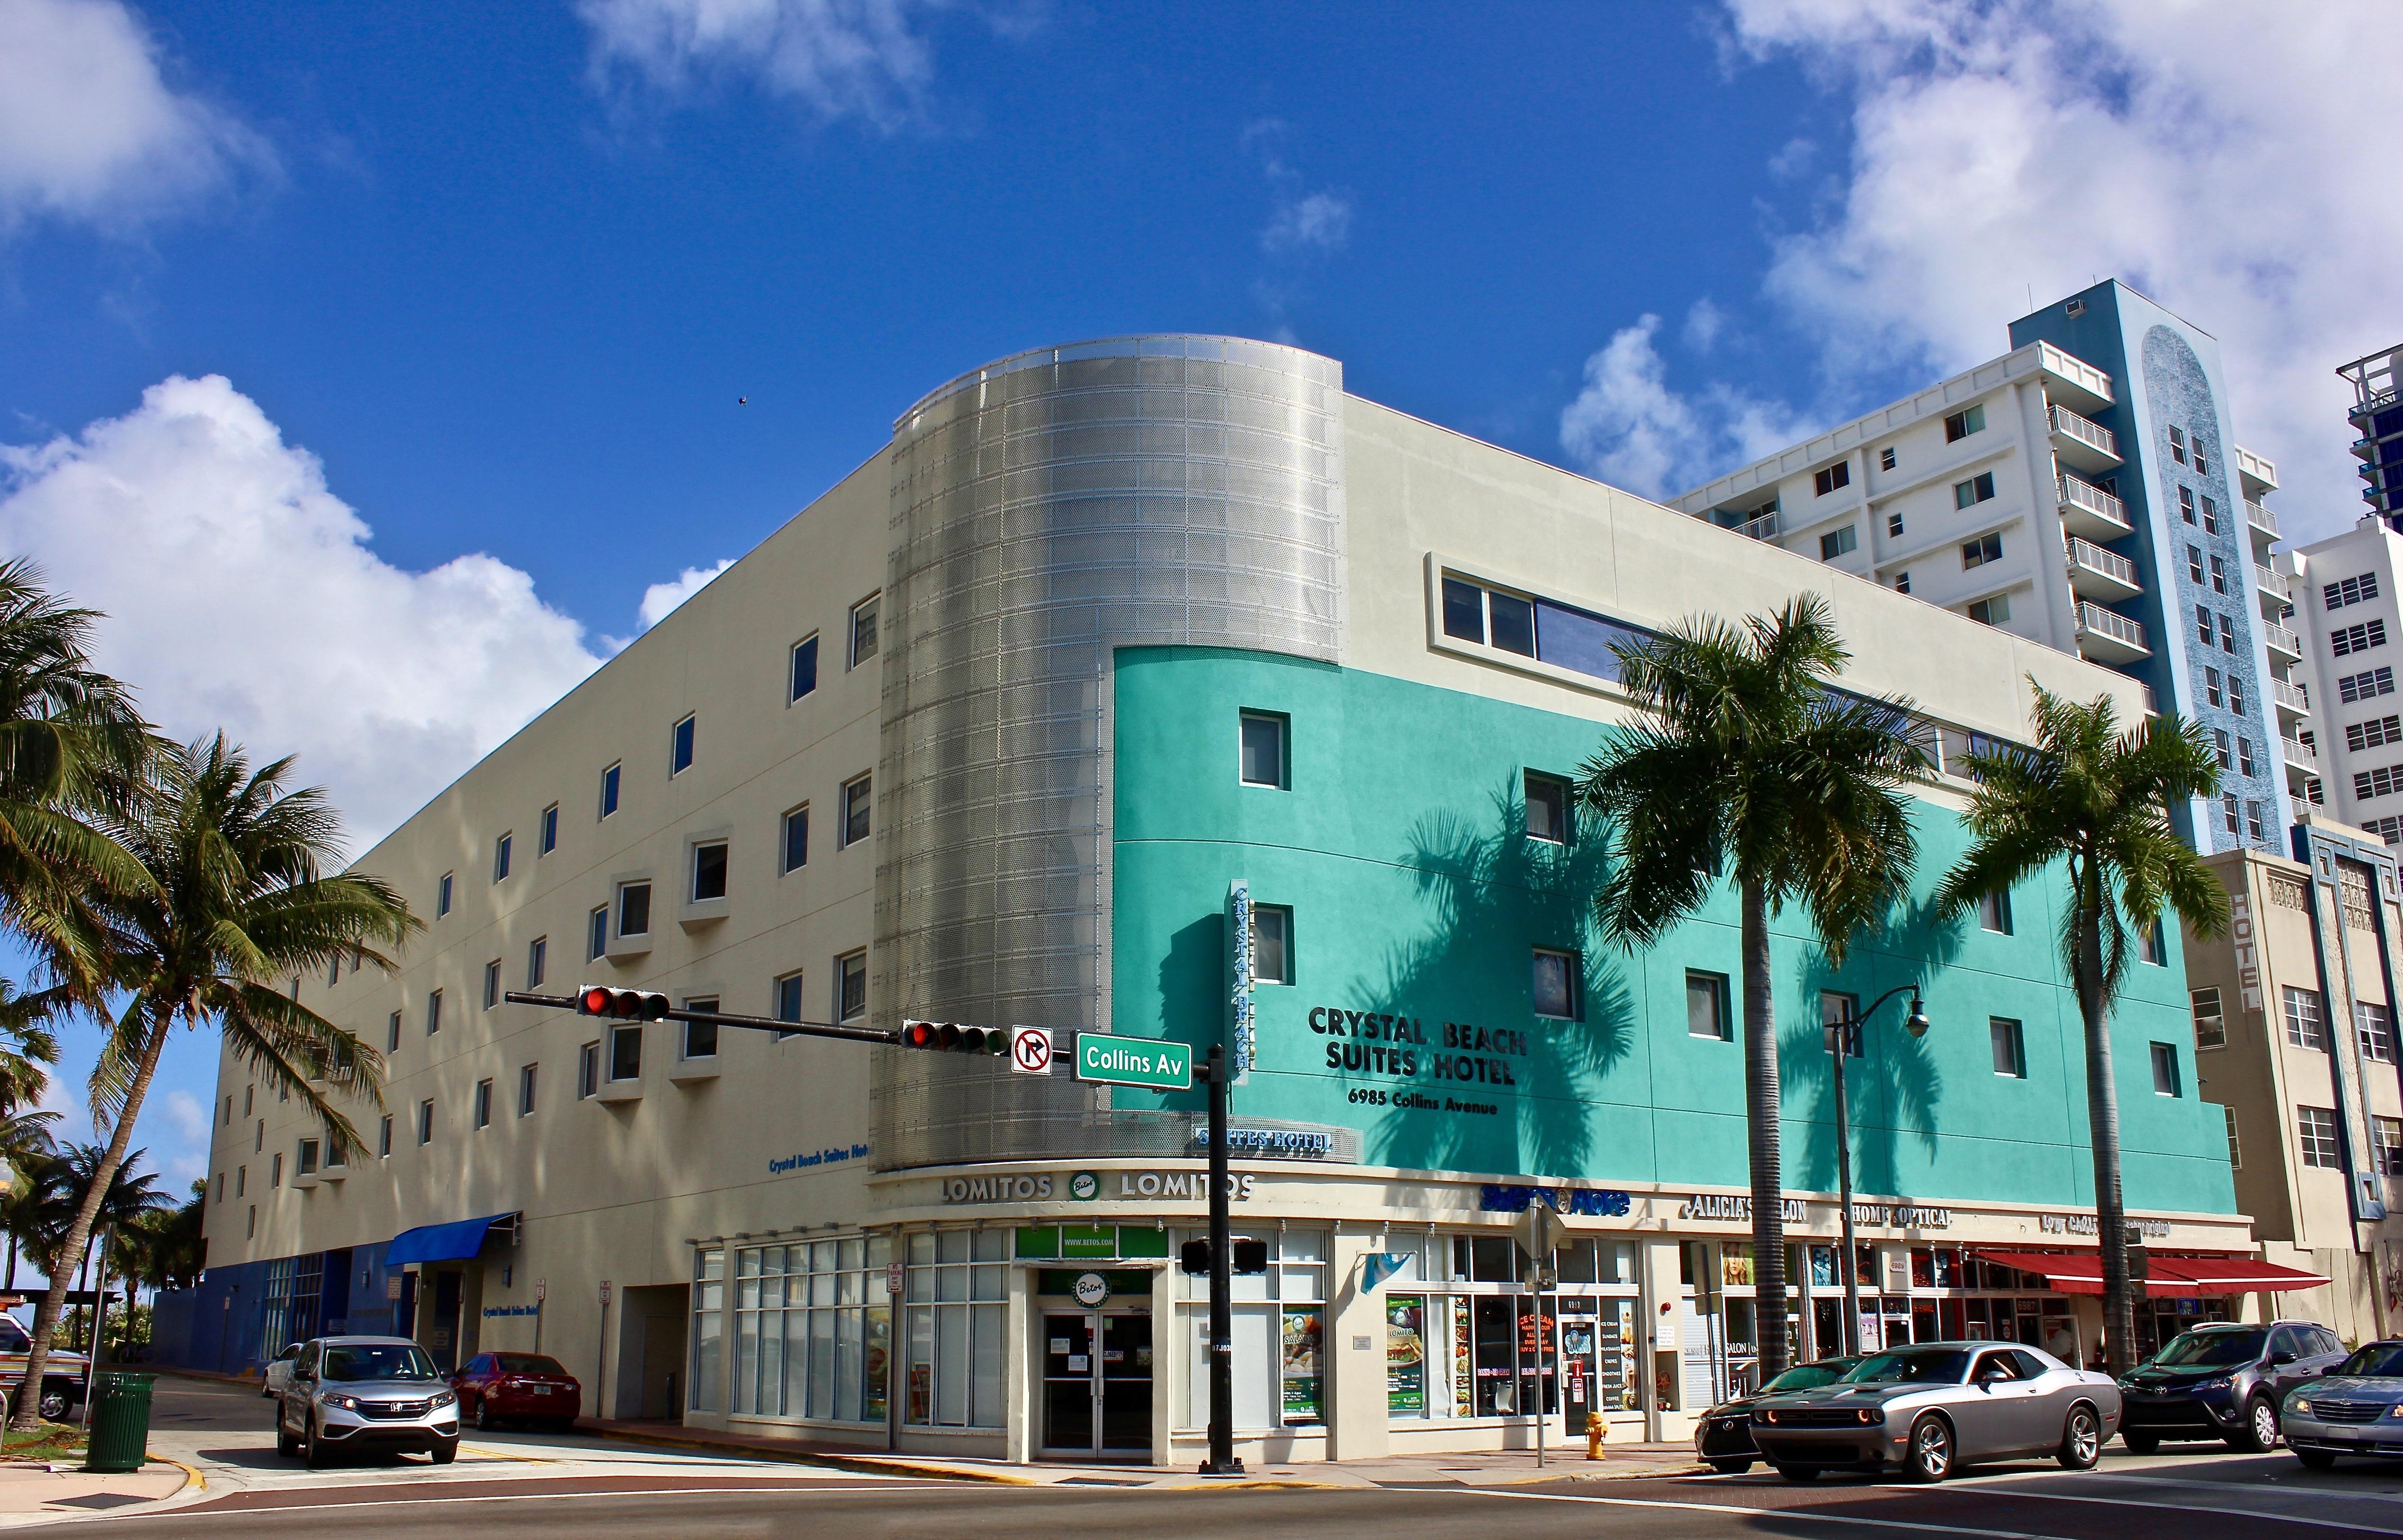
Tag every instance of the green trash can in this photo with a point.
(119, 1437)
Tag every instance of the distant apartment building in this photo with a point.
(2348, 761)
(2377, 384)
(2084, 490)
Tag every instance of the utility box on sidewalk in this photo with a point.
(120, 1436)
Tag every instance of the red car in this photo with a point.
(497, 1387)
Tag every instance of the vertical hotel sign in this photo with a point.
(2248, 962)
(1241, 976)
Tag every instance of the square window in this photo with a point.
(425, 1122)
(2306, 1026)
(1262, 750)
(851, 987)
(2210, 1024)
(1514, 623)
(1977, 552)
(635, 909)
(2166, 1069)
(1961, 424)
(588, 1071)
(1706, 1006)
(1885, 458)
(788, 1001)
(2316, 1127)
(596, 934)
(609, 790)
(708, 871)
(492, 983)
(483, 1104)
(625, 1053)
(1839, 543)
(804, 676)
(1548, 808)
(797, 839)
(2010, 1050)
(392, 1033)
(525, 1090)
(1556, 984)
(856, 802)
(1464, 611)
(1833, 477)
(549, 840)
(1978, 489)
(501, 856)
(434, 1013)
(2374, 1027)
(304, 1157)
(537, 961)
(863, 631)
(442, 896)
(700, 1037)
(1992, 612)
(680, 746)
(1271, 944)
(1994, 912)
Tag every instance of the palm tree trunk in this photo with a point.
(83, 1276)
(1764, 1130)
(2103, 1116)
(27, 1415)
(12, 1285)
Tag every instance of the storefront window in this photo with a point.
(1279, 1323)
(708, 1321)
(1405, 1354)
(957, 1281)
(808, 1344)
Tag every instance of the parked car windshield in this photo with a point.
(1808, 1377)
(526, 1362)
(1912, 1365)
(2211, 1349)
(378, 1361)
(2384, 1360)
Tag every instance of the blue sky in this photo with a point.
(484, 284)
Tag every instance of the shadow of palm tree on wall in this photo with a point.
(1488, 890)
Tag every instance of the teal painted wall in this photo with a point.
(1399, 847)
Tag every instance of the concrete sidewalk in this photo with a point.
(1483, 1468)
(34, 1495)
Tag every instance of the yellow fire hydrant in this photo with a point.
(1594, 1433)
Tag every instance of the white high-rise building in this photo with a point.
(2349, 758)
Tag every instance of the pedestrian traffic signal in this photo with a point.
(620, 1005)
(952, 1037)
(1193, 1258)
(1245, 1256)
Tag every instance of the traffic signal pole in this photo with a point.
(723, 1019)
(1222, 1461)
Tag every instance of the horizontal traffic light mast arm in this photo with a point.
(721, 1018)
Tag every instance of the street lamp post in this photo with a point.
(1841, 1038)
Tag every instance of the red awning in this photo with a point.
(2068, 1272)
(2171, 1277)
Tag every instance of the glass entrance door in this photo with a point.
(1097, 1381)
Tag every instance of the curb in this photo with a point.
(863, 1464)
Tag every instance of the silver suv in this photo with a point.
(366, 1393)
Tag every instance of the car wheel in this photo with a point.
(314, 1454)
(1931, 1451)
(2259, 1433)
(483, 1415)
(2140, 1443)
(564, 1425)
(2316, 1459)
(54, 1405)
(286, 1445)
(1730, 1467)
(445, 1453)
(2081, 1439)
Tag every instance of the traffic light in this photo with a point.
(620, 1005)
(1245, 1255)
(1193, 1257)
(951, 1037)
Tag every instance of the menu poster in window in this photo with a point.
(880, 1353)
(1406, 1353)
(1617, 1365)
(1302, 1375)
(1464, 1383)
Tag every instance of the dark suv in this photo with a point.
(2224, 1381)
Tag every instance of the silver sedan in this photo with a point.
(1933, 1408)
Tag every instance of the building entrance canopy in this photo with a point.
(2171, 1277)
(457, 1241)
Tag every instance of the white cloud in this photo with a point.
(1320, 221)
(90, 129)
(660, 598)
(841, 57)
(2210, 153)
(242, 592)
(1627, 427)
(186, 1118)
(1704, 324)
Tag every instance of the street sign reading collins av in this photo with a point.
(1144, 1062)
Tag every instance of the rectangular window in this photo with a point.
(1977, 552)
(2349, 591)
(2194, 563)
(680, 746)
(625, 1053)
(804, 672)
(2011, 1051)
(2228, 812)
(2346, 640)
(2202, 461)
(858, 801)
(2166, 1069)
(2210, 1025)
(2211, 687)
(1271, 944)
(2374, 1025)
(1902, 582)
(2243, 755)
(501, 856)
(383, 1138)
(2252, 819)
(2376, 733)
(1992, 612)
(596, 934)
(788, 1001)
(2219, 741)
(1994, 912)
(492, 983)
(1464, 611)
(1706, 1006)
(2306, 1026)
(851, 987)
(863, 631)
(1261, 750)
(242, 1175)
(797, 839)
(1556, 984)
(2185, 504)
(1548, 808)
(1893, 526)
(304, 1157)
(1978, 489)
(2387, 1146)
(425, 1122)
(2235, 1151)
(2177, 444)
(2226, 634)
(2202, 625)
(2210, 516)
(2236, 692)
(1961, 424)
(2383, 780)
(1514, 623)
(708, 871)
(2154, 944)
(609, 789)
(1886, 460)
(588, 1071)
(548, 839)
(2219, 573)
(483, 1104)
(635, 909)
(525, 1090)
(1831, 477)
(537, 961)
(1839, 543)
(700, 1037)
(434, 1013)
(392, 1033)
(442, 896)
(2316, 1127)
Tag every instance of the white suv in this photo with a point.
(362, 1393)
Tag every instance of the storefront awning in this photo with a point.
(2169, 1277)
(456, 1242)
(2068, 1272)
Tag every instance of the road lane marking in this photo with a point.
(2178, 1507)
(254, 1512)
(2229, 1486)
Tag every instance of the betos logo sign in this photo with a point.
(1403, 1046)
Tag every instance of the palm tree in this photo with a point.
(2096, 799)
(130, 1197)
(238, 898)
(1748, 764)
(166, 1248)
(26, 1144)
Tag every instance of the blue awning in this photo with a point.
(456, 1242)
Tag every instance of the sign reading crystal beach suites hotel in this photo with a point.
(1146, 1062)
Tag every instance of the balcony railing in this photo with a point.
(2085, 553)
(1762, 528)
(2103, 622)
(2089, 498)
(2301, 756)
(2273, 582)
(2282, 640)
(2260, 518)
(2086, 430)
(2290, 695)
